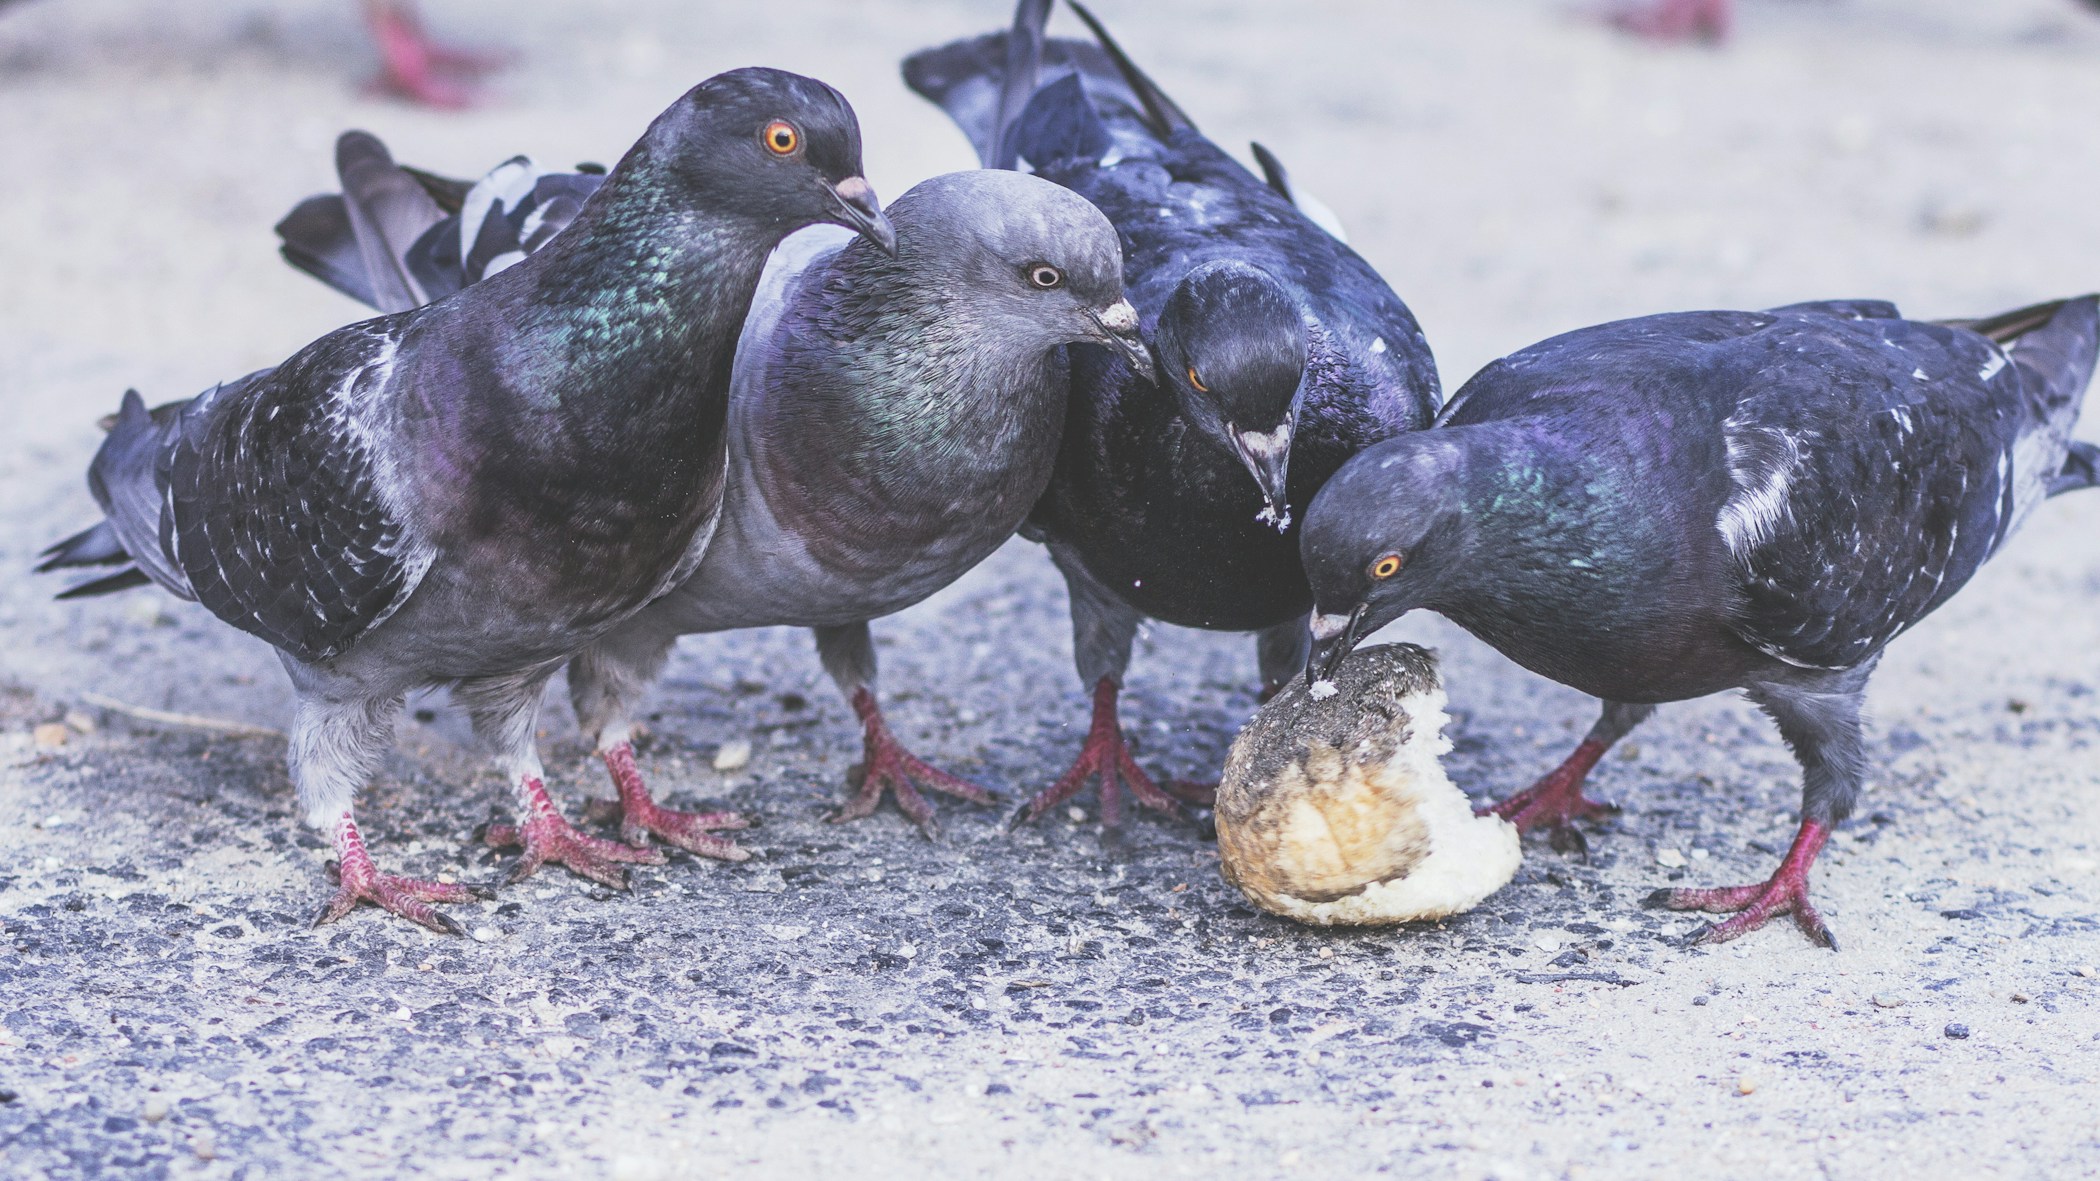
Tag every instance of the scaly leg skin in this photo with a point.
(1785, 892)
(358, 880)
(546, 837)
(1556, 801)
(640, 815)
(887, 766)
(411, 63)
(1107, 755)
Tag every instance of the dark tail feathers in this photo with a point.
(126, 483)
(2081, 470)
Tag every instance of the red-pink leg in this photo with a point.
(1107, 755)
(887, 766)
(1785, 892)
(1677, 20)
(1557, 799)
(640, 815)
(413, 66)
(546, 837)
(358, 880)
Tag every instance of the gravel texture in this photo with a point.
(859, 1000)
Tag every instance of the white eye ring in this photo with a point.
(1045, 276)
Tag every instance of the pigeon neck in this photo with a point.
(1536, 524)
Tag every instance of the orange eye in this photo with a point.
(1197, 381)
(1386, 566)
(781, 138)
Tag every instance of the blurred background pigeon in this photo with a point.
(471, 492)
(1281, 353)
(892, 420)
(1658, 509)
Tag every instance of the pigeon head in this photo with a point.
(1386, 535)
(769, 147)
(1231, 343)
(1035, 257)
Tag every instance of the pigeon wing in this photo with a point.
(276, 511)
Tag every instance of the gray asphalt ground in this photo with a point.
(859, 1001)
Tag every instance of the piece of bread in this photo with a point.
(1334, 810)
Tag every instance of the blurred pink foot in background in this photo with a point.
(418, 69)
(1676, 20)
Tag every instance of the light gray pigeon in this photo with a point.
(891, 422)
(473, 491)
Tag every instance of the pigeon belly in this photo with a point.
(1335, 811)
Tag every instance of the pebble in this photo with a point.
(2021, 998)
(1078, 815)
(204, 1146)
(1670, 859)
(1956, 1030)
(486, 935)
(50, 734)
(1746, 1085)
(156, 1108)
(733, 755)
(2085, 971)
(1883, 1000)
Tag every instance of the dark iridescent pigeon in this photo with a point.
(1281, 353)
(472, 492)
(1662, 508)
(891, 420)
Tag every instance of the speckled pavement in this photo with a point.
(858, 1000)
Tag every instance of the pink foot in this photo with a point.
(1556, 801)
(547, 837)
(415, 67)
(1786, 892)
(358, 880)
(640, 815)
(1676, 20)
(886, 766)
(1105, 754)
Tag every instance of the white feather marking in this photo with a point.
(1761, 463)
(1992, 366)
(1920, 375)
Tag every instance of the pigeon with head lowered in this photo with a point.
(471, 492)
(891, 420)
(1662, 508)
(1280, 354)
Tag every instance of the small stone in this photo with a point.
(486, 935)
(1670, 859)
(873, 873)
(1630, 751)
(50, 734)
(1078, 815)
(80, 722)
(156, 1108)
(204, 1146)
(2021, 998)
(733, 755)
(1956, 1030)
(1700, 1000)
(2085, 971)
(1883, 1000)
(1746, 1085)
(1700, 854)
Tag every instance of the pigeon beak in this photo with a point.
(1334, 637)
(860, 212)
(1268, 458)
(1118, 323)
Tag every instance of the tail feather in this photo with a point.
(2056, 345)
(2081, 470)
(1024, 62)
(1161, 113)
(97, 545)
(125, 479)
(2007, 327)
(388, 210)
(124, 579)
(317, 238)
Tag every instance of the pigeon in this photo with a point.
(471, 492)
(891, 420)
(1661, 508)
(1281, 353)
